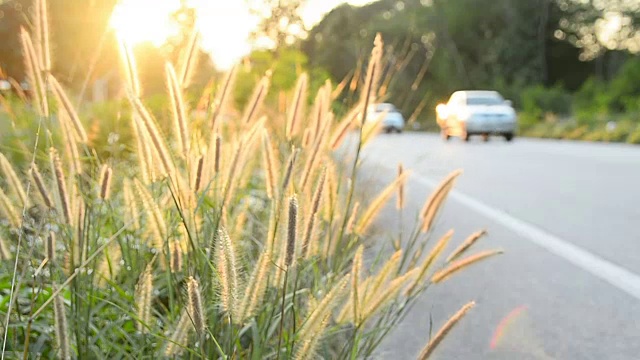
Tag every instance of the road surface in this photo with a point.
(568, 217)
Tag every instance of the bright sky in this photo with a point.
(225, 25)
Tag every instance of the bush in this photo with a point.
(577, 133)
(539, 102)
(596, 135)
(634, 137)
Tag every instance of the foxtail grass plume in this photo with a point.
(306, 138)
(352, 218)
(196, 311)
(218, 150)
(466, 245)
(269, 165)
(256, 287)
(179, 110)
(319, 111)
(130, 206)
(374, 70)
(341, 86)
(70, 144)
(436, 200)
(314, 324)
(61, 185)
(222, 97)
(34, 74)
(458, 265)
(289, 169)
(175, 256)
(400, 200)
(340, 133)
(130, 69)
(105, 182)
(313, 158)
(306, 350)
(178, 340)
(50, 247)
(356, 271)
(65, 104)
(156, 221)
(376, 206)
(19, 90)
(189, 59)
(390, 292)
(197, 182)
(145, 158)
(291, 231)
(228, 271)
(386, 272)
(315, 206)
(430, 259)
(80, 249)
(257, 99)
(444, 330)
(12, 180)
(231, 180)
(61, 328)
(42, 29)
(4, 250)
(296, 109)
(147, 123)
(144, 296)
(416, 256)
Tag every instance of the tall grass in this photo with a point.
(247, 244)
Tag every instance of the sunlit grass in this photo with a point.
(241, 238)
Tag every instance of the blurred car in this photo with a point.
(478, 112)
(388, 114)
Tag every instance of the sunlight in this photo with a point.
(139, 21)
(225, 26)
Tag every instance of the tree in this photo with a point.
(280, 22)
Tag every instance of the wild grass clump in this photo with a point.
(238, 239)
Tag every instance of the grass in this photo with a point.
(227, 239)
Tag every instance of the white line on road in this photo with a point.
(615, 275)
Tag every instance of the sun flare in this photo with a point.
(224, 26)
(140, 21)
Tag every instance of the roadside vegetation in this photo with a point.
(150, 228)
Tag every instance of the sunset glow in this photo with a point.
(225, 26)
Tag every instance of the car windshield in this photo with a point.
(384, 107)
(485, 100)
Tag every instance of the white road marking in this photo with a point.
(615, 275)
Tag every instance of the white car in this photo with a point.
(478, 112)
(392, 119)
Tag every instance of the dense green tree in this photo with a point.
(440, 46)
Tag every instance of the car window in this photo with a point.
(385, 107)
(457, 99)
(485, 100)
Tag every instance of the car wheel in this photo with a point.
(388, 130)
(508, 137)
(445, 135)
(466, 136)
(399, 130)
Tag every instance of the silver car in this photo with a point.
(477, 112)
(388, 114)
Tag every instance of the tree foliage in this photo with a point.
(437, 46)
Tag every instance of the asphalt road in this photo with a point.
(567, 216)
